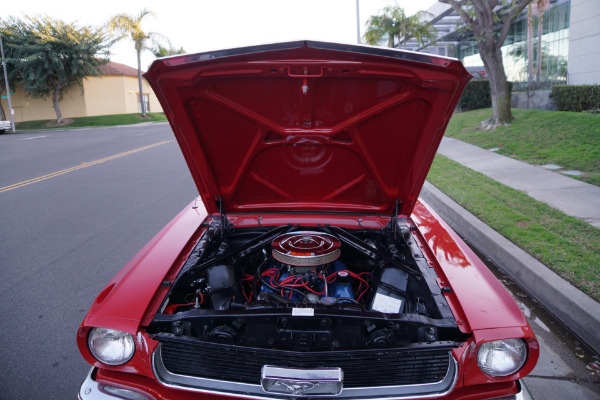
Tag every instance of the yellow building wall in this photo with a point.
(30, 109)
(104, 95)
(116, 95)
(132, 92)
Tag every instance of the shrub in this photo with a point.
(477, 95)
(576, 97)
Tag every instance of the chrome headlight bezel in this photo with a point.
(501, 358)
(111, 346)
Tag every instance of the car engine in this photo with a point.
(306, 288)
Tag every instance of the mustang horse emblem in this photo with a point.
(297, 387)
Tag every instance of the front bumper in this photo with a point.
(92, 390)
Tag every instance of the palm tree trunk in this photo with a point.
(529, 52)
(529, 46)
(139, 62)
(539, 49)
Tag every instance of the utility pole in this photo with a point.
(10, 109)
(358, 41)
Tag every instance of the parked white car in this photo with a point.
(4, 126)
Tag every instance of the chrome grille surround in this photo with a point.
(214, 386)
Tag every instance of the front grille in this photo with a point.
(362, 368)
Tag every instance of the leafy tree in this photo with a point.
(161, 51)
(130, 26)
(483, 18)
(392, 21)
(49, 56)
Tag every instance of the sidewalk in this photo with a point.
(571, 306)
(573, 197)
(85, 128)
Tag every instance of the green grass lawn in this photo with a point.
(568, 139)
(101, 120)
(565, 244)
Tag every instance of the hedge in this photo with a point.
(576, 97)
(477, 95)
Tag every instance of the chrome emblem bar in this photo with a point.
(302, 382)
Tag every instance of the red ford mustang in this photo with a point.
(308, 268)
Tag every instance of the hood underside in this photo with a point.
(309, 126)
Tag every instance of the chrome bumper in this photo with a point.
(92, 390)
(522, 395)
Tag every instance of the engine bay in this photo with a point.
(307, 288)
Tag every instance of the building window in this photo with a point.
(146, 102)
(555, 48)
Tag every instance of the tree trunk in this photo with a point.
(55, 98)
(500, 93)
(538, 68)
(139, 62)
(529, 52)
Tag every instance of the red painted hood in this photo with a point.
(308, 126)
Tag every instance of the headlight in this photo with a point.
(110, 346)
(502, 357)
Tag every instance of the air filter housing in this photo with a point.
(306, 249)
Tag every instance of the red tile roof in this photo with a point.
(113, 68)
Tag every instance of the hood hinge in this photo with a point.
(395, 213)
(222, 216)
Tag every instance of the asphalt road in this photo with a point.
(76, 206)
(62, 239)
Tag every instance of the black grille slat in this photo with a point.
(363, 368)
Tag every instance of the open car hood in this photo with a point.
(309, 126)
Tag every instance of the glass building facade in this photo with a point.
(554, 54)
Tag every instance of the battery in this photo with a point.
(386, 301)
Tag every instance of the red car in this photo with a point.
(313, 270)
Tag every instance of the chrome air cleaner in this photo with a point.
(305, 249)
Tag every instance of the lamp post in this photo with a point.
(10, 109)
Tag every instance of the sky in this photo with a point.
(204, 25)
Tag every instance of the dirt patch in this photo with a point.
(522, 224)
(54, 123)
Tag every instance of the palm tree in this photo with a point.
(131, 26)
(393, 21)
(529, 51)
(540, 8)
(162, 51)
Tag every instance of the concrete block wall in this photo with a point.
(538, 100)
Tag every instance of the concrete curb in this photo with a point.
(87, 128)
(575, 309)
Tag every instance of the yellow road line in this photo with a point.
(82, 165)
